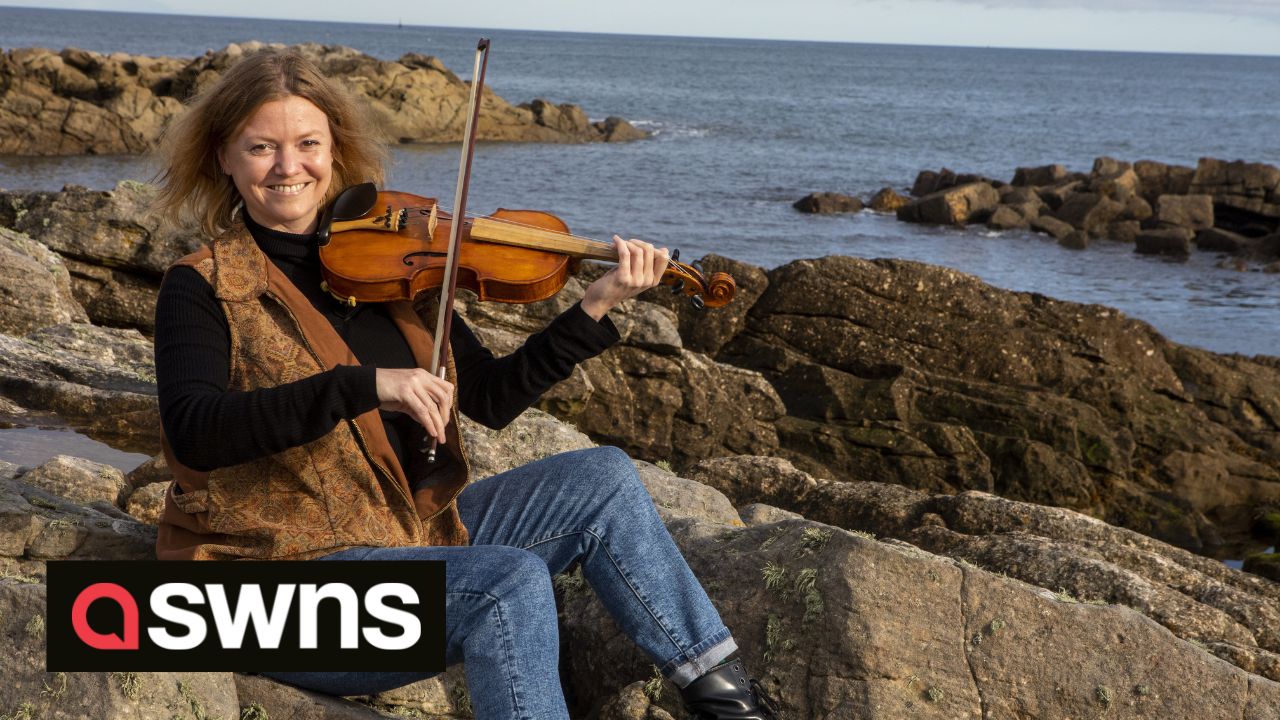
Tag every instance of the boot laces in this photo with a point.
(765, 700)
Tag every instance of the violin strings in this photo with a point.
(688, 270)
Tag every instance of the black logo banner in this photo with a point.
(245, 616)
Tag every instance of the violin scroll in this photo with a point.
(713, 292)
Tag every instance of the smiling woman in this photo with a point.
(281, 161)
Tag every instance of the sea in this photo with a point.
(743, 128)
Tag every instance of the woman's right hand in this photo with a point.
(418, 394)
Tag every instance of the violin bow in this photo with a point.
(449, 286)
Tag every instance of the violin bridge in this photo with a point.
(433, 220)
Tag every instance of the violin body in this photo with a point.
(374, 265)
(393, 246)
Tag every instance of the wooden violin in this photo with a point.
(378, 246)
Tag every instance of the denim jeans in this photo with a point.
(527, 524)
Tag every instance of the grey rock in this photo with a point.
(1194, 212)
(1125, 231)
(887, 200)
(35, 288)
(1089, 212)
(146, 504)
(827, 203)
(31, 692)
(1037, 176)
(1221, 240)
(973, 635)
(278, 700)
(1164, 241)
(80, 480)
(930, 378)
(959, 205)
(1162, 179)
(707, 330)
(1052, 226)
(1007, 218)
(1076, 240)
(1253, 187)
(100, 378)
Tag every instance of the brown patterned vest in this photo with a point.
(343, 490)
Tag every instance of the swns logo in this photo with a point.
(247, 616)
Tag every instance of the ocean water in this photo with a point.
(742, 128)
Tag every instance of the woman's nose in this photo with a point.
(286, 161)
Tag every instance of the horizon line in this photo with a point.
(400, 24)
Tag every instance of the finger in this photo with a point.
(416, 409)
(644, 278)
(660, 260)
(624, 257)
(442, 393)
(436, 426)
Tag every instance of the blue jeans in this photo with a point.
(527, 524)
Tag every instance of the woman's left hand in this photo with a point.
(640, 267)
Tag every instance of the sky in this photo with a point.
(1248, 27)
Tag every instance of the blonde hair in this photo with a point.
(192, 182)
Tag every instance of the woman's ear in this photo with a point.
(222, 160)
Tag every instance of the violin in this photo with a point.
(379, 246)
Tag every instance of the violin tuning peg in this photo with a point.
(676, 287)
(675, 254)
(698, 304)
(696, 265)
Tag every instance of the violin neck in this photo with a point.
(506, 233)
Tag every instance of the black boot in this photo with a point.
(725, 693)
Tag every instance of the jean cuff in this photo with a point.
(686, 673)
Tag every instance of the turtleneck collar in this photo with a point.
(281, 244)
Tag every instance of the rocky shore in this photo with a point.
(1231, 208)
(75, 102)
(920, 497)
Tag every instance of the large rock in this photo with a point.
(35, 288)
(887, 200)
(76, 102)
(707, 330)
(1057, 549)
(827, 203)
(928, 638)
(648, 395)
(83, 102)
(1058, 229)
(100, 378)
(1164, 241)
(278, 700)
(1037, 176)
(28, 691)
(1090, 212)
(960, 205)
(1194, 212)
(36, 526)
(115, 248)
(933, 379)
(1252, 187)
(1158, 179)
(80, 480)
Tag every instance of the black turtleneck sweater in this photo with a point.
(209, 427)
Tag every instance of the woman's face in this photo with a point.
(282, 162)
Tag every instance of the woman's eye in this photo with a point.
(260, 149)
(311, 143)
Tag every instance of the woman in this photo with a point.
(319, 410)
